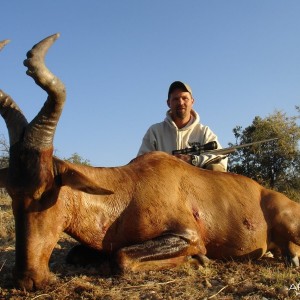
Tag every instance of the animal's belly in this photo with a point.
(239, 243)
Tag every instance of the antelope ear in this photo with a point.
(76, 180)
(3, 177)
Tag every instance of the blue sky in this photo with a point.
(117, 59)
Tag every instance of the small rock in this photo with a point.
(207, 283)
(284, 291)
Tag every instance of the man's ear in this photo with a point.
(168, 103)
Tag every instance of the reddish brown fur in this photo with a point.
(156, 201)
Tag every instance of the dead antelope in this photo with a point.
(150, 214)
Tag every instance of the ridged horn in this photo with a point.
(40, 131)
(11, 113)
(13, 117)
(3, 43)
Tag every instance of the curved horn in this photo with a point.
(11, 113)
(40, 131)
(13, 117)
(3, 43)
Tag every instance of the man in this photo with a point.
(180, 129)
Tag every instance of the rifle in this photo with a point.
(211, 148)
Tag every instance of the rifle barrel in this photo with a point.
(234, 148)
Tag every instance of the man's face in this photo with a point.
(180, 103)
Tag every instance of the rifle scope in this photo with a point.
(198, 148)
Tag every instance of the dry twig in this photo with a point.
(45, 295)
(2, 265)
(225, 287)
(149, 284)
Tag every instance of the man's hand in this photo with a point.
(184, 157)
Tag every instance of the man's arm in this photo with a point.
(195, 154)
(148, 143)
(203, 160)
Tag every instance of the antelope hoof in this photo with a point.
(33, 283)
(291, 261)
(202, 259)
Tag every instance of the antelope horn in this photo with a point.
(13, 117)
(3, 43)
(11, 113)
(40, 132)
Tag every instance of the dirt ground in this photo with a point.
(266, 278)
(263, 279)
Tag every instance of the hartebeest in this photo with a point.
(152, 213)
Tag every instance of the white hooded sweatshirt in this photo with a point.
(166, 136)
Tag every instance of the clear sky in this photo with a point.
(117, 59)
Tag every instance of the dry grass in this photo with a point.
(6, 220)
(262, 279)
